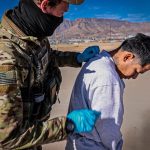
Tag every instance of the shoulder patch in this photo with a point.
(7, 75)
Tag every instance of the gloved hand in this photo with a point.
(88, 53)
(83, 119)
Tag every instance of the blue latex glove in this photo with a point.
(88, 53)
(83, 119)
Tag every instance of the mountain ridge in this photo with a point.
(98, 29)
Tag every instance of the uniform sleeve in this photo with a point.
(38, 134)
(15, 132)
(66, 58)
(107, 98)
(10, 101)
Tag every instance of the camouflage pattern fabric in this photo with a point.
(17, 128)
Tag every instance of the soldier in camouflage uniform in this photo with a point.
(29, 74)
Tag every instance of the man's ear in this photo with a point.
(44, 5)
(128, 57)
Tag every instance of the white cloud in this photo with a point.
(136, 17)
(94, 8)
(108, 16)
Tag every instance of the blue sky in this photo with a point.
(129, 10)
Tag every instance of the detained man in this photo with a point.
(99, 87)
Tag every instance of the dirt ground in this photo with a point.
(81, 46)
(136, 124)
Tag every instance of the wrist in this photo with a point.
(79, 58)
(70, 126)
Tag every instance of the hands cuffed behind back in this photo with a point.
(82, 120)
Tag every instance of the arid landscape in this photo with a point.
(93, 29)
(100, 22)
(136, 124)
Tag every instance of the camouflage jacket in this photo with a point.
(25, 114)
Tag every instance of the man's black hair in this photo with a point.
(138, 45)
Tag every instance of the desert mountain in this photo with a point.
(99, 29)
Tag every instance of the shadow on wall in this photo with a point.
(138, 137)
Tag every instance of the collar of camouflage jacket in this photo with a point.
(10, 26)
(10, 30)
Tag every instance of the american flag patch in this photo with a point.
(8, 77)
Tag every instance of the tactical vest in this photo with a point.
(39, 76)
(43, 82)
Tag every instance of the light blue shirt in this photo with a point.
(99, 87)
